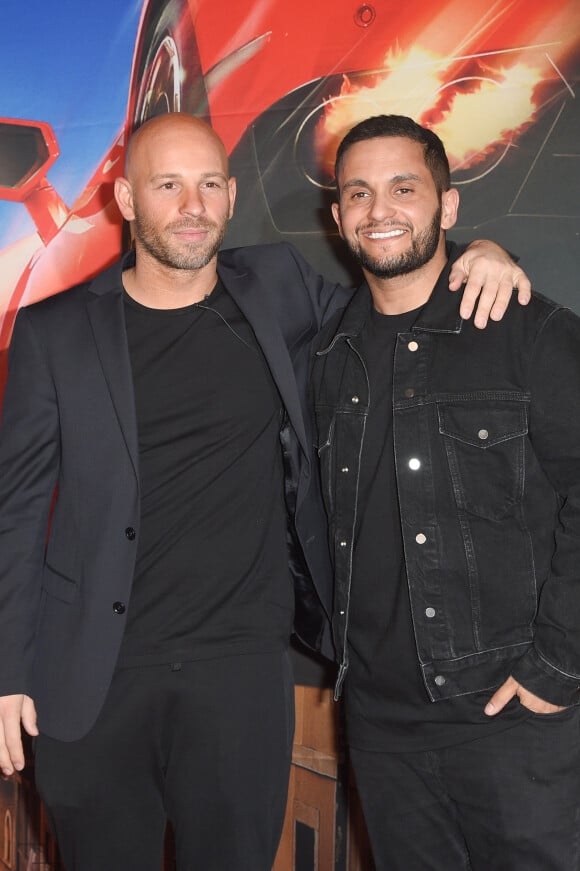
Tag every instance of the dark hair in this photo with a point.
(384, 126)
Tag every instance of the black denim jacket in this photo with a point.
(487, 453)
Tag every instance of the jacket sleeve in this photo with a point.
(551, 669)
(29, 461)
(326, 297)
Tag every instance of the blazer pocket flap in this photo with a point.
(58, 585)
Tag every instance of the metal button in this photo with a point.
(429, 612)
(421, 538)
(343, 543)
(119, 607)
(409, 393)
(341, 613)
(413, 346)
(355, 400)
(414, 464)
(130, 533)
(344, 469)
(483, 434)
(440, 680)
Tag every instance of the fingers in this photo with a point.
(512, 688)
(536, 704)
(489, 275)
(501, 697)
(11, 750)
(483, 279)
(524, 286)
(481, 290)
(503, 297)
(457, 275)
(517, 279)
(492, 293)
(28, 716)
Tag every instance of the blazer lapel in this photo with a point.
(253, 300)
(107, 318)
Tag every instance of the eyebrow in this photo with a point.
(396, 179)
(159, 176)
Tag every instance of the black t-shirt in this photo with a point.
(387, 706)
(212, 573)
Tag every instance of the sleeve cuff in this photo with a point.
(536, 675)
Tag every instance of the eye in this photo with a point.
(360, 195)
(168, 186)
(404, 190)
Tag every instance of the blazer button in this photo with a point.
(130, 533)
(119, 607)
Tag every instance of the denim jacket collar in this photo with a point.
(440, 313)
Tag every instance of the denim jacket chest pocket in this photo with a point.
(484, 442)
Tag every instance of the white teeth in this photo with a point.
(388, 235)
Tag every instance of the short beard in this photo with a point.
(423, 248)
(189, 258)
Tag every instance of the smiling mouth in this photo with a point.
(384, 234)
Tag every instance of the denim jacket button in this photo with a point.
(413, 346)
(421, 538)
(483, 434)
(414, 464)
(440, 680)
(430, 612)
(355, 400)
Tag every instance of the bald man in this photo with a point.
(165, 404)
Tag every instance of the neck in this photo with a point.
(404, 293)
(155, 285)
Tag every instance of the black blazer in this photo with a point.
(69, 425)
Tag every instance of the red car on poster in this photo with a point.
(281, 85)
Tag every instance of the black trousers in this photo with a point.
(207, 745)
(506, 802)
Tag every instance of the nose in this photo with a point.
(192, 202)
(382, 207)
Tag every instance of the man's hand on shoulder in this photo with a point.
(14, 711)
(489, 275)
(511, 688)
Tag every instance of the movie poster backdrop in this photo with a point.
(281, 83)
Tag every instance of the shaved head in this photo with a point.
(163, 128)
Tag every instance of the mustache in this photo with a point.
(190, 225)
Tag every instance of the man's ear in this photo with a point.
(232, 191)
(449, 208)
(124, 198)
(336, 215)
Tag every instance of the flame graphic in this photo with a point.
(496, 111)
(473, 111)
